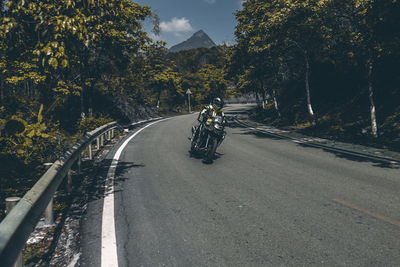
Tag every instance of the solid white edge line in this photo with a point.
(109, 256)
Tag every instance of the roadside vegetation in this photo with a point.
(327, 66)
(64, 67)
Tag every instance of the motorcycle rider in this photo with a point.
(212, 110)
(209, 111)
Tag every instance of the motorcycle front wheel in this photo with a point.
(194, 142)
(193, 147)
(211, 148)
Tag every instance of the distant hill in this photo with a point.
(199, 39)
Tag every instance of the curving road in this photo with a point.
(263, 202)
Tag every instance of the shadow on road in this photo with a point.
(200, 156)
(236, 112)
(261, 135)
(344, 155)
(233, 124)
(375, 163)
(96, 178)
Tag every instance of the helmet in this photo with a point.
(217, 103)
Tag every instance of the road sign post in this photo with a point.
(188, 92)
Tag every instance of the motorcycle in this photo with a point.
(207, 137)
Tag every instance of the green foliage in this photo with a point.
(89, 124)
(214, 83)
(33, 144)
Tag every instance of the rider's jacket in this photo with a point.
(209, 112)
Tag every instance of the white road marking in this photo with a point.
(109, 256)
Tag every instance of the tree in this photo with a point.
(161, 75)
(360, 29)
(214, 83)
(286, 30)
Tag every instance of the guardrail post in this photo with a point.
(90, 151)
(102, 139)
(69, 182)
(98, 143)
(47, 165)
(49, 218)
(11, 202)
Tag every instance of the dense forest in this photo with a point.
(330, 66)
(68, 66)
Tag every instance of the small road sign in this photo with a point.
(188, 92)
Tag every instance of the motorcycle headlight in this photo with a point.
(217, 126)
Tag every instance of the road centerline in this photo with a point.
(368, 212)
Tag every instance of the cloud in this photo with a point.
(176, 25)
(210, 1)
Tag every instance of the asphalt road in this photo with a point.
(263, 202)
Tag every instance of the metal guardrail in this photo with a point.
(22, 219)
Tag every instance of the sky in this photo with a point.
(181, 18)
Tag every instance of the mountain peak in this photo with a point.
(200, 34)
(198, 39)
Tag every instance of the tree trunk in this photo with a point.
(29, 88)
(125, 99)
(28, 93)
(158, 99)
(89, 93)
(307, 82)
(263, 100)
(262, 94)
(82, 106)
(374, 126)
(275, 102)
(257, 98)
(90, 108)
(2, 90)
(82, 98)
